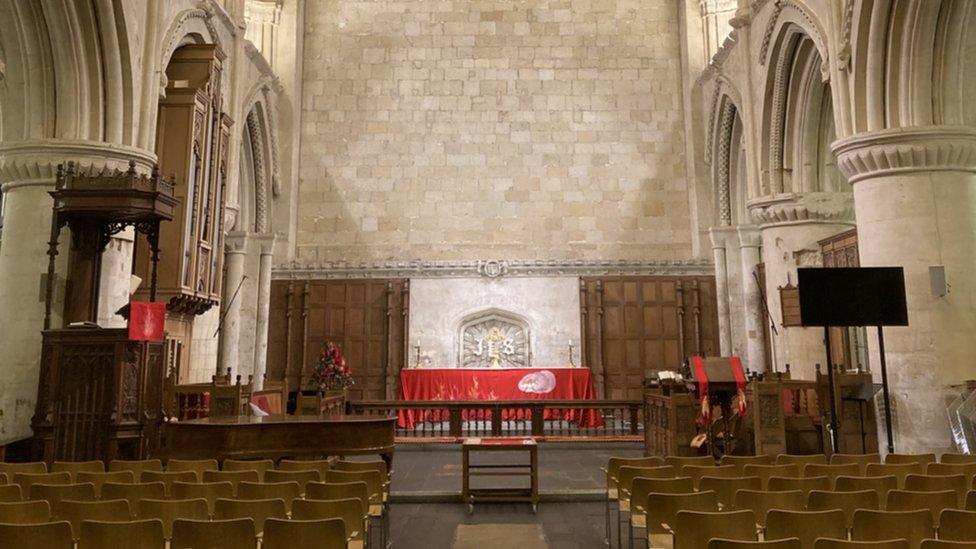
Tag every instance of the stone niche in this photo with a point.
(515, 322)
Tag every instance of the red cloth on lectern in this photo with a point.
(489, 385)
(147, 321)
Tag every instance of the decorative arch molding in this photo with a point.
(724, 121)
(722, 87)
(265, 95)
(190, 26)
(257, 132)
(793, 12)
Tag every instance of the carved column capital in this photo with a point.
(749, 236)
(721, 236)
(34, 162)
(235, 242)
(800, 208)
(906, 150)
(267, 242)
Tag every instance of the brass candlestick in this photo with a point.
(417, 363)
(571, 363)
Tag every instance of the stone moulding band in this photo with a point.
(489, 269)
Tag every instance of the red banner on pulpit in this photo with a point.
(147, 321)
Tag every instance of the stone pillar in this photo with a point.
(264, 303)
(235, 245)
(791, 227)
(27, 174)
(113, 282)
(718, 238)
(750, 242)
(915, 198)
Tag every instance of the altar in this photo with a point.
(498, 384)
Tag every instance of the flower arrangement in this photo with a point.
(331, 372)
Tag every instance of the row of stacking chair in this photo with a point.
(187, 534)
(796, 476)
(201, 482)
(346, 501)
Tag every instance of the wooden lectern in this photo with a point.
(719, 381)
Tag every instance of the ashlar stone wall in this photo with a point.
(507, 129)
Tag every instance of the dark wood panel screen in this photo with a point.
(633, 325)
(366, 318)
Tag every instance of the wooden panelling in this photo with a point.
(366, 318)
(634, 325)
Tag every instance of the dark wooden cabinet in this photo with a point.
(99, 396)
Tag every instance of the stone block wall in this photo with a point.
(507, 129)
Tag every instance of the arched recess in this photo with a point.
(911, 63)
(797, 119)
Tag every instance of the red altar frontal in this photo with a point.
(498, 385)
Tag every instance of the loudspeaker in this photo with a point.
(862, 296)
(937, 280)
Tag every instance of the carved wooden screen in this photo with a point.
(841, 250)
(634, 325)
(366, 318)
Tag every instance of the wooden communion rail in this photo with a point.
(555, 419)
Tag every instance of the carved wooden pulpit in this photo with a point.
(99, 394)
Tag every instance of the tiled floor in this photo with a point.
(570, 473)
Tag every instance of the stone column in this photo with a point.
(264, 303)
(915, 198)
(27, 174)
(235, 246)
(718, 238)
(790, 227)
(113, 282)
(750, 241)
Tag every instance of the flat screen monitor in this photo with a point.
(856, 296)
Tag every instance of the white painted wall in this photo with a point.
(550, 305)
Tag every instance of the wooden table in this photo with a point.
(511, 445)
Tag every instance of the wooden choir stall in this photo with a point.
(783, 416)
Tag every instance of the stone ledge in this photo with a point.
(906, 150)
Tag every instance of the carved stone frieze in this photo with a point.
(906, 150)
(489, 268)
(792, 208)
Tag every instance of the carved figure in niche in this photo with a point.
(494, 343)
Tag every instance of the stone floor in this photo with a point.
(571, 515)
(432, 525)
(564, 469)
